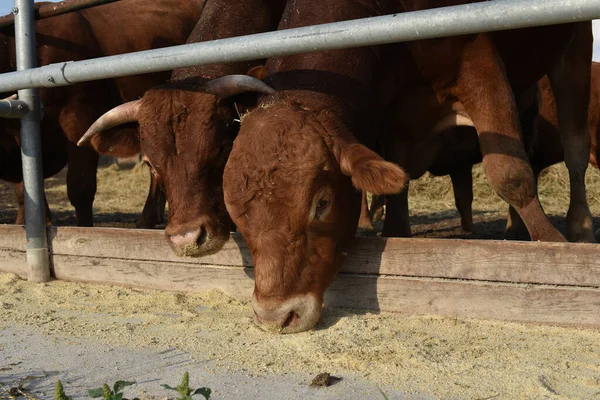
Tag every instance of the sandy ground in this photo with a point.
(86, 335)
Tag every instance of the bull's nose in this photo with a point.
(295, 315)
(188, 243)
(280, 321)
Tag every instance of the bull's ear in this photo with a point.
(118, 142)
(369, 171)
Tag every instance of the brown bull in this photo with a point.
(544, 147)
(187, 127)
(291, 178)
(418, 148)
(122, 27)
(289, 181)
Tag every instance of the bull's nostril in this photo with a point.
(202, 237)
(290, 319)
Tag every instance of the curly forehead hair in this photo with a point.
(277, 147)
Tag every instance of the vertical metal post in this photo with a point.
(31, 149)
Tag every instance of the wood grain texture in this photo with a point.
(486, 260)
(13, 262)
(556, 305)
(454, 278)
(139, 244)
(13, 237)
(482, 260)
(154, 275)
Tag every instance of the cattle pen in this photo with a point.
(552, 283)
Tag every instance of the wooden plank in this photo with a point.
(139, 244)
(495, 261)
(503, 261)
(13, 262)
(486, 260)
(562, 305)
(13, 237)
(154, 275)
(556, 305)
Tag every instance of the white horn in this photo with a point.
(231, 85)
(122, 114)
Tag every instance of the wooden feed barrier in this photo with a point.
(550, 283)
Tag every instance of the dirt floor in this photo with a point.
(122, 192)
(405, 357)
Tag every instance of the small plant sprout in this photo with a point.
(107, 394)
(186, 392)
(59, 392)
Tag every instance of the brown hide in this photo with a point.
(546, 148)
(459, 148)
(412, 142)
(131, 25)
(186, 133)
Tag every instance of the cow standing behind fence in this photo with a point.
(187, 127)
(287, 183)
(122, 27)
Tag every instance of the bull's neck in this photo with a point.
(339, 90)
(226, 19)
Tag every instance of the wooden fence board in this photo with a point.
(455, 278)
(13, 237)
(501, 261)
(154, 275)
(139, 244)
(487, 260)
(559, 305)
(13, 262)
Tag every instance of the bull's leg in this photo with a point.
(20, 194)
(364, 221)
(570, 81)
(515, 227)
(81, 182)
(483, 89)
(154, 209)
(462, 184)
(397, 222)
(76, 117)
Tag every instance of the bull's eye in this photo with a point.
(322, 206)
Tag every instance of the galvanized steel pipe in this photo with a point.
(448, 21)
(31, 154)
(13, 108)
(52, 10)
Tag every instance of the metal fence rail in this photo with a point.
(52, 10)
(441, 22)
(31, 148)
(449, 21)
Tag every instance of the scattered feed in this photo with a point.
(439, 357)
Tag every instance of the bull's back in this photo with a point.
(138, 25)
(530, 53)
